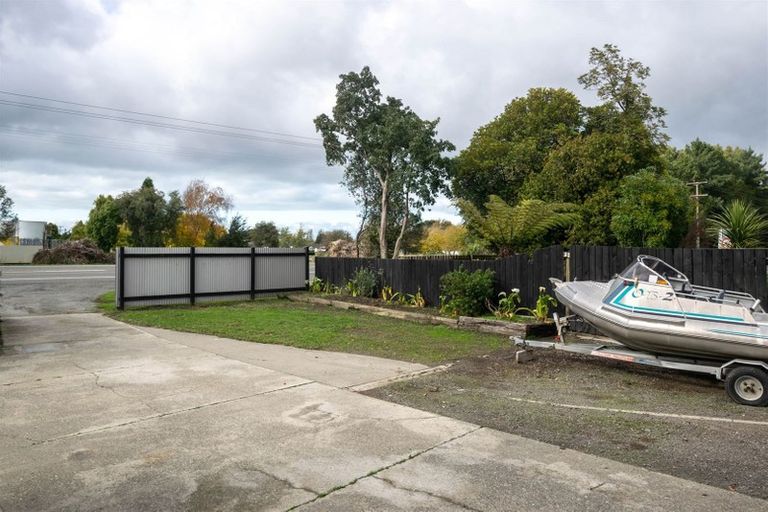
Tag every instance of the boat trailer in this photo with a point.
(746, 381)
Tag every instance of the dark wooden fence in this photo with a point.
(408, 276)
(736, 269)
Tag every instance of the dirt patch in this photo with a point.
(496, 392)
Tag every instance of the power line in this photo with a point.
(112, 143)
(143, 122)
(124, 111)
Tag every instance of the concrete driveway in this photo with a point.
(99, 415)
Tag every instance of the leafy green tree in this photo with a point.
(150, 217)
(741, 224)
(508, 229)
(620, 83)
(79, 231)
(384, 147)
(52, 231)
(104, 222)
(8, 219)
(513, 146)
(265, 234)
(652, 211)
(730, 173)
(236, 236)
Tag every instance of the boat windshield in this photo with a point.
(650, 269)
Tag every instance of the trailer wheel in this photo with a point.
(748, 385)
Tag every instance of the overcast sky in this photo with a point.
(273, 66)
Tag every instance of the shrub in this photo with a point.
(364, 283)
(73, 252)
(465, 293)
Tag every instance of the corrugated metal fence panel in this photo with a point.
(222, 273)
(284, 270)
(156, 276)
(219, 273)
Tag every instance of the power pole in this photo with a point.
(696, 195)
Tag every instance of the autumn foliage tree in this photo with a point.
(205, 208)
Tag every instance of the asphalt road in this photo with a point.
(52, 289)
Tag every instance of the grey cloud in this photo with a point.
(274, 66)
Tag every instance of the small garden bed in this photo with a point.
(518, 326)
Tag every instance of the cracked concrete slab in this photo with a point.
(120, 419)
(495, 471)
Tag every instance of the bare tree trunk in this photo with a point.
(403, 227)
(363, 220)
(383, 221)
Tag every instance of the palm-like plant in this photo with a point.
(741, 223)
(517, 228)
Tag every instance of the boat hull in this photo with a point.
(681, 336)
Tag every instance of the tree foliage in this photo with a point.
(741, 224)
(444, 238)
(730, 173)
(509, 229)
(104, 222)
(504, 153)
(385, 148)
(298, 238)
(265, 234)
(204, 210)
(150, 217)
(7, 217)
(652, 211)
(237, 234)
(620, 83)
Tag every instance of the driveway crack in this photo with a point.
(166, 414)
(384, 468)
(421, 491)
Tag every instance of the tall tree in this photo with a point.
(730, 173)
(265, 234)
(620, 83)
(505, 152)
(150, 217)
(8, 219)
(104, 222)
(236, 235)
(203, 205)
(385, 141)
(652, 211)
(79, 231)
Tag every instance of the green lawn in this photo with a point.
(302, 325)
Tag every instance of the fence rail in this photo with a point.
(149, 276)
(736, 269)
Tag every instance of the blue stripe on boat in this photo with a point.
(668, 312)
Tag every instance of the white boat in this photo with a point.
(653, 307)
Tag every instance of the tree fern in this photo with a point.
(509, 228)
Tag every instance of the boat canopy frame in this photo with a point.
(665, 274)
